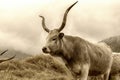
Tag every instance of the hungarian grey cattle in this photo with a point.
(82, 57)
(115, 69)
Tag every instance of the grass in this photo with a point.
(42, 67)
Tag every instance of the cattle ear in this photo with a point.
(61, 35)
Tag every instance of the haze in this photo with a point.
(20, 26)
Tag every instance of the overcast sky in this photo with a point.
(20, 26)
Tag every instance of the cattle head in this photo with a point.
(55, 36)
(6, 59)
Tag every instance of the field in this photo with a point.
(42, 67)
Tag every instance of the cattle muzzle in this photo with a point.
(46, 50)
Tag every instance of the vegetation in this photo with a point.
(42, 67)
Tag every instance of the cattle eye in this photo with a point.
(54, 39)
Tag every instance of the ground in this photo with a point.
(42, 67)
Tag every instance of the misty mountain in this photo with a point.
(12, 52)
(113, 42)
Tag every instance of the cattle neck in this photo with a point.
(66, 44)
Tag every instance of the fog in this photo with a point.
(20, 26)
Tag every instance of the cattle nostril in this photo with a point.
(44, 49)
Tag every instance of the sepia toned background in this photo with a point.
(20, 26)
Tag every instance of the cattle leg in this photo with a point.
(106, 75)
(84, 72)
(115, 77)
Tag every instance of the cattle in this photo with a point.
(82, 57)
(3, 60)
(115, 69)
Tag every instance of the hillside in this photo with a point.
(42, 67)
(113, 42)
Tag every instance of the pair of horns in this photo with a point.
(63, 22)
(6, 59)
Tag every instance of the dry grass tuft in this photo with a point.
(42, 67)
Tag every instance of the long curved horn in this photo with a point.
(7, 59)
(3, 52)
(43, 24)
(65, 17)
